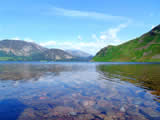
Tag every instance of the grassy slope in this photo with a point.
(141, 49)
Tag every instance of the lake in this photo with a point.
(79, 91)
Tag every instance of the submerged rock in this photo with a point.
(28, 114)
(73, 113)
(62, 111)
(123, 109)
(88, 103)
(43, 98)
(85, 117)
(102, 116)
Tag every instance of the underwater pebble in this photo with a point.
(88, 103)
(122, 109)
(73, 113)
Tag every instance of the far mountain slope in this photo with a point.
(20, 47)
(57, 54)
(80, 55)
(27, 51)
(142, 49)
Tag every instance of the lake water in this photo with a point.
(79, 91)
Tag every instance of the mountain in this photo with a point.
(22, 50)
(57, 54)
(80, 55)
(145, 48)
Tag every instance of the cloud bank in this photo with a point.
(108, 37)
(85, 14)
(25, 39)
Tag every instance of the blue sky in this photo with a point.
(87, 25)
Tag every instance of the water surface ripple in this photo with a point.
(79, 91)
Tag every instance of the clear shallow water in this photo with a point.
(79, 91)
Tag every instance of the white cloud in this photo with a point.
(108, 37)
(111, 34)
(49, 43)
(153, 26)
(98, 41)
(28, 39)
(84, 46)
(15, 38)
(94, 36)
(25, 39)
(79, 37)
(87, 14)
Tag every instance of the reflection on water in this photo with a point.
(79, 91)
(145, 76)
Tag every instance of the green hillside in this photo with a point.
(143, 49)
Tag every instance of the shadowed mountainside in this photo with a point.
(28, 51)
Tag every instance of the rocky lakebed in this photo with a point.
(79, 91)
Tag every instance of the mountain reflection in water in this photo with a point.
(79, 91)
(145, 76)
